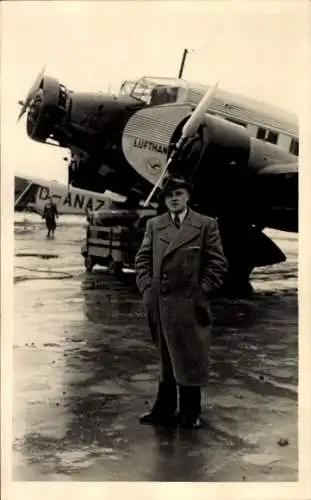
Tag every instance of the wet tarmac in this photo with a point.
(85, 368)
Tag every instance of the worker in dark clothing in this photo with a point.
(50, 214)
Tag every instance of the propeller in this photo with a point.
(31, 94)
(189, 129)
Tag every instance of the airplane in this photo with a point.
(128, 142)
(32, 193)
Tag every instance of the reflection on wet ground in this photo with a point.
(85, 368)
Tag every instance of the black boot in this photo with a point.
(164, 408)
(189, 407)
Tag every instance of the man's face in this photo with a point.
(177, 200)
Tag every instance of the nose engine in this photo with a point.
(47, 103)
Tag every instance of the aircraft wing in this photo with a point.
(279, 169)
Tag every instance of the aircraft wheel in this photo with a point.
(88, 262)
(115, 268)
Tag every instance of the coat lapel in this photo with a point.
(166, 229)
(175, 238)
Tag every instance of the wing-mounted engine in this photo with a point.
(217, 146)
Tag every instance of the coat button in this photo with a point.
(164, 276)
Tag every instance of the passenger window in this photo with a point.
(272, 137)
(294, 147)
(261, 133)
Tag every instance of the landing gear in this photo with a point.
(89, 263)
(115, 268)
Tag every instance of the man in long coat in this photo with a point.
(180, 262)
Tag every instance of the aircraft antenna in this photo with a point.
(183, 60)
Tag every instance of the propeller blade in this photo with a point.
(21, 113)
(191, 126)
(31, 93)
(189, 129)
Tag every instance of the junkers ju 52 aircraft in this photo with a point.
(244, 173)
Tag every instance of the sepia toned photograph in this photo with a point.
(150, 165)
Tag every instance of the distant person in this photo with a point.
(50, 214)
(178, 266)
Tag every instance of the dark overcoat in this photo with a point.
(176, 269)
(49, 214)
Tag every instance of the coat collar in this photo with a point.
(175, 238)
(181, 215)
(192, 218)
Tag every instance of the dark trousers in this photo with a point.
(190, 401)
(167, 400)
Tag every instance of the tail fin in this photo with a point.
(24, 193)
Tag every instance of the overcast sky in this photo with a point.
(256, 49)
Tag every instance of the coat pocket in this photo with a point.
(192, 252)
(193, 247)
(191, 261)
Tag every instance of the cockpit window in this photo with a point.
(127, 87)
(142, 91)
(163, 95)
(154, 91)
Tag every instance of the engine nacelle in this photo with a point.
(47, 111)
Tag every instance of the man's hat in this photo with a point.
(175, 181)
